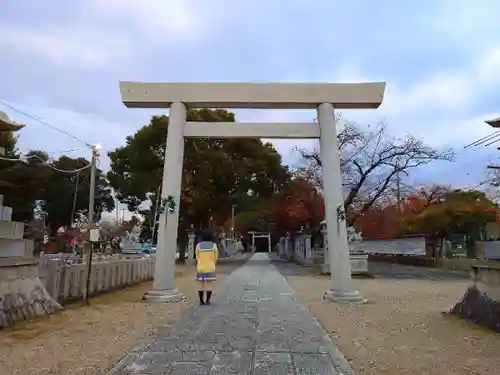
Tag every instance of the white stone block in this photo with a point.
(29, 248)
(359, 264)
(16, 248)
(11, 230)
(6, 213)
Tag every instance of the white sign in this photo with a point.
(400, 246)
(94, 235)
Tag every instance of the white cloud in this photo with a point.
(447, 91)
(466, 20)
(84, 46)
(160, 19)
(456, 133)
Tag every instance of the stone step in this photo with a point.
(11, 230)
(16, 248)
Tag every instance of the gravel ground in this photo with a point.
(88, 340)
(403, 330)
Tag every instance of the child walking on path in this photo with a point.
(206, 259)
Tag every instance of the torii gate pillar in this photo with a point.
(324, 97)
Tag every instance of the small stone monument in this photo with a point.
(358, 258)
(130, 242)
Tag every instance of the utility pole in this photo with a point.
(155, 217)
(44, 228)
(117, 209)
(398, 191)
(90, 219)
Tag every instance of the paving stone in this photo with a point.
(232, 363)
(190, 368)
(148, 363)
(313, 364)
(273, 363)
(255, 324)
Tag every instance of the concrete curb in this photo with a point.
(336, 356)
(341, 365)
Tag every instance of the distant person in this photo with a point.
(206, 258)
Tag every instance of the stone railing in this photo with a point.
(297, 248)
(66, 280)
(233, 247)
(481, 302)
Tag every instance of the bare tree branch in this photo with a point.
(370, 162)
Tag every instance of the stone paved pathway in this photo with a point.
(254, 326)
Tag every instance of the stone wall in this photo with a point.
(481, 302)
(22, 294)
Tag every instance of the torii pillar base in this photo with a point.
(164, 296)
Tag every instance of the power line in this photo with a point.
(484, 139)
(45, 123)
(495, 141)
(47, 164)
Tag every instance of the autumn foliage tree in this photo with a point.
(435, 211)
(300, 205)
(380, 222)
(458, 212)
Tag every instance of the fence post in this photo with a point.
(53, 278)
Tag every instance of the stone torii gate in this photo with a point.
(324, 97)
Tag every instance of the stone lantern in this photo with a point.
(6, 125)
(22, 293)
(191, 233)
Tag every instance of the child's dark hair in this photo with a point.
(207, 236)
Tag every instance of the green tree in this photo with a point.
(9, 142)
(59, 201)
(216, 174)
(258, 219)
(23, 183)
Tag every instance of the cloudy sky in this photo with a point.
(441, 59)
